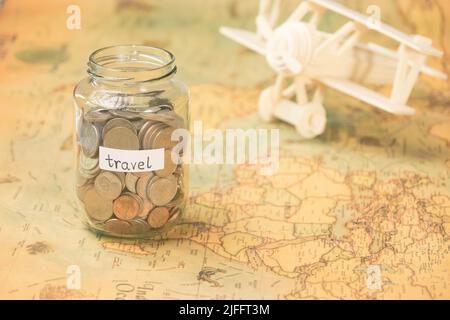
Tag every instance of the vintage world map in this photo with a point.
(362, 212)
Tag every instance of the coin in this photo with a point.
(147, 140)
(141, 186)
(176, 201)
(138, 124)
(122, 138)
(116, 226)
(97, 207)
(146, 208)
(143, 130)
(148, 114)
(89, 174)
(130, 182)
(118, 122)
(169, 165)
(138, 226)
(143, 174)
(89, 139)
(139, 200)
(108, 185)
(163, 139)
(162, 191)
(126, 207)
(158, 217)
(121, 176)
(87, 163)
(166, 117)
(161, 102)
(98, 116)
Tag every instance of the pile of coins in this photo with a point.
(129, 203)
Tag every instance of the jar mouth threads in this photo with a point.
(131, 63)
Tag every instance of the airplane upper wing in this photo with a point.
(366, 95)
(383, 28)
(248, 39)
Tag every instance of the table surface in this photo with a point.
(362, 212)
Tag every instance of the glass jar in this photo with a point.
(131, 180)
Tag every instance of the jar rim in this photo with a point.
(155, 63)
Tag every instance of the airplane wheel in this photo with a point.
(266, 104)
(312, 121)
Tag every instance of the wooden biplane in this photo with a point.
(302, 55)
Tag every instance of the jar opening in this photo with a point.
(134, 63)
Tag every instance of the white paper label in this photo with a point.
(131, 160)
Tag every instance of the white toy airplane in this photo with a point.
(301, 55)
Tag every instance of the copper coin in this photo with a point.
(126, 207)
(169, 165)
(118, 122)
(108, 185)
(162, 190)
(143, 174)
(146, 208)
(158, 217)
(138, 199)
(89, 139)
(121, 138)
(97, 207)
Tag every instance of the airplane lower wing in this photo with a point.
(366, 95)
(248, 39)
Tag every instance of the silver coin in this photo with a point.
(87, 163)
(89, 139)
